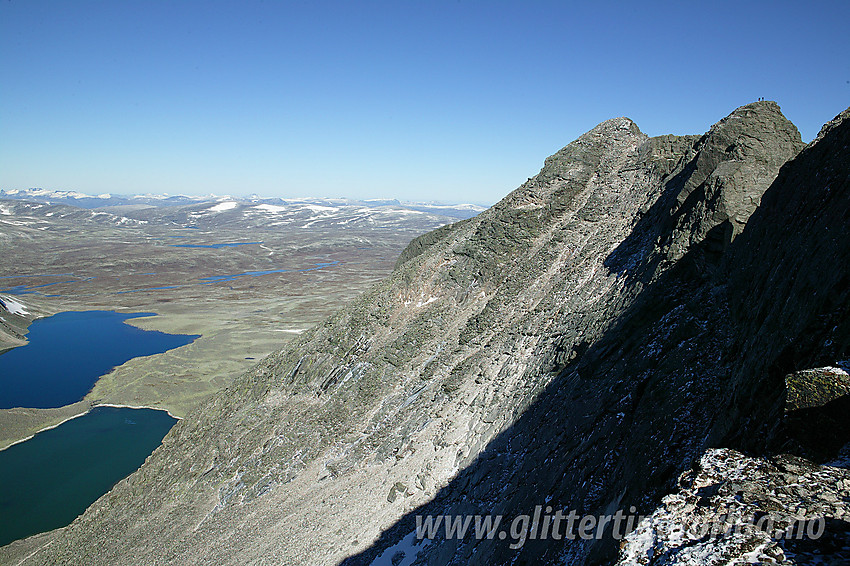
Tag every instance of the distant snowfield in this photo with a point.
(272, 208)
(399, 211)
(318, 208)
(222, 206)
(343, 213)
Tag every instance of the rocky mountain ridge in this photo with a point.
(578, 345)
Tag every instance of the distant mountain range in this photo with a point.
(81, 200)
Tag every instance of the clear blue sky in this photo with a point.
(454, 101)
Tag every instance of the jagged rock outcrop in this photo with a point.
(578, 345)
(816, 387)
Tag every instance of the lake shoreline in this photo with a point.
(23, 415)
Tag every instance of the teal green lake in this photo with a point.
(50, 479)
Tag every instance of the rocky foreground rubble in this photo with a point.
(731, 507)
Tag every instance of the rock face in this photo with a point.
(577, 346)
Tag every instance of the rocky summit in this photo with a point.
(613, 336)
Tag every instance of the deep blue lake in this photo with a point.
(50, 479)
(69, 351)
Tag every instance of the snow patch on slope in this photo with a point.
(13, 306)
